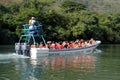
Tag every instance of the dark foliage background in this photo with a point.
(62, 19)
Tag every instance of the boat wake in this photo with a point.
(97, 51)
(11, 56)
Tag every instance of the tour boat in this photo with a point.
(23, 47)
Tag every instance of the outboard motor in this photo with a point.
(18, 48)
(25, 49)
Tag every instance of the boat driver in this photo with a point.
(32, 24)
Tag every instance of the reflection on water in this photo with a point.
(73, 61)
(47, 65)
(63, 67)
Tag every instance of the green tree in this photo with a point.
(110, 27)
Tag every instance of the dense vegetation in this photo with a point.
(61, 19)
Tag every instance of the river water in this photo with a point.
(103, 64)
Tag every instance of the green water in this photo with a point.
(101, 65)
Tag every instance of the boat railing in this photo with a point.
(28, 32)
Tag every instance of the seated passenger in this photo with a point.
(82, 44)
(41, 45)
(52, 45)
(62, 47)
(32, 46)
(57, 46)
(71, 44)
(87, 43)
(76, 45)
(92, 41)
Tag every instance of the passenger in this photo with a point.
(71, 44)
(77, 40)
(76, 45)
(87, 43)
(32, 45)
(79, 44)
(46, 46)
(49, 44)
(67, 45)
(52, 46)
(82, 44)
(43, 46)
(62, 47)
(57, 46)
(40, 45)
(81, 40)
(37, 45)
(64, 44)
(92, 41)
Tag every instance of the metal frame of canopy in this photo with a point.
(31, 33)
(23, 47)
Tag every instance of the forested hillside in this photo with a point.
(102, 5)
(62, 19)
(95, 5)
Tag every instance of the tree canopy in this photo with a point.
(66, 20)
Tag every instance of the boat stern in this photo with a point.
(33, 53)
